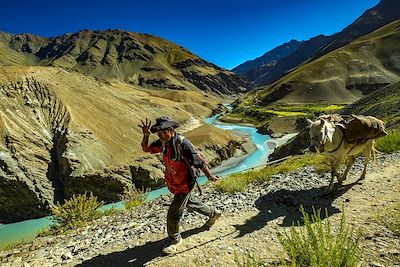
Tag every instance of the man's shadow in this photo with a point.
(287, 203)
(137, 256)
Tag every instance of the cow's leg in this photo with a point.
(334, 165)
(344, 175)
(367, 152)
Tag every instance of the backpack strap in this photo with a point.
(180, 156)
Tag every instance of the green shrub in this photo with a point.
(258, 115)
(248, 260)
(310, 109)
(389, 143)
(238, 182)
(75, 212)
(315, 244)
(235, 182)
(134, 197)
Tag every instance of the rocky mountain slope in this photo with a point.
(383, 104)
(249, 224)
(64, 133)
(252, 69)
(293, 60)
(139, 59)
(383, 13)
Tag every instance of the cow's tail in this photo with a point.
(373, 151)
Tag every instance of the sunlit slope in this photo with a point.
(139, 59)
(64, 133)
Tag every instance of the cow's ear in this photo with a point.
(310, 121)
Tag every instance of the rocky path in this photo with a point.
(250, 223)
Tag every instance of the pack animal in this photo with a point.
(328, 135)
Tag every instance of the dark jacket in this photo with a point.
(179, 155)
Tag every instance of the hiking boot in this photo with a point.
(171, 247)
(212, 219)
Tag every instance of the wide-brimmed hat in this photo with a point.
(163, 123)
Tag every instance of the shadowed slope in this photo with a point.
(383, 104)
(252, 69)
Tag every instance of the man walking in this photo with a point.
(179, 158)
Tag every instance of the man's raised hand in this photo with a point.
(145, 126)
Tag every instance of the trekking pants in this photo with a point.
(176, 209)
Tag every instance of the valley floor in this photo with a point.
(250, 223)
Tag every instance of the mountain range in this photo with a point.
(252, 69)
(383, 13)
(138, 59)
(343, 75)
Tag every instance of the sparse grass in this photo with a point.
(74, 213)
(238, 182)
(134, 197)
(261, 112)
(245, 118)
(390, 217)
(248, 100)
(281, 113)
(316, 244)
(310, 108)
(258, 115)
(248, 260)
(14, 245)
(389, 143)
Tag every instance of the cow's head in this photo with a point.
(321, 132)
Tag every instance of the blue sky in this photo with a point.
(224, 32)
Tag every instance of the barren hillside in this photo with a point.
(138, 59)
(64, 133)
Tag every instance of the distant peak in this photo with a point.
(87, 32)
